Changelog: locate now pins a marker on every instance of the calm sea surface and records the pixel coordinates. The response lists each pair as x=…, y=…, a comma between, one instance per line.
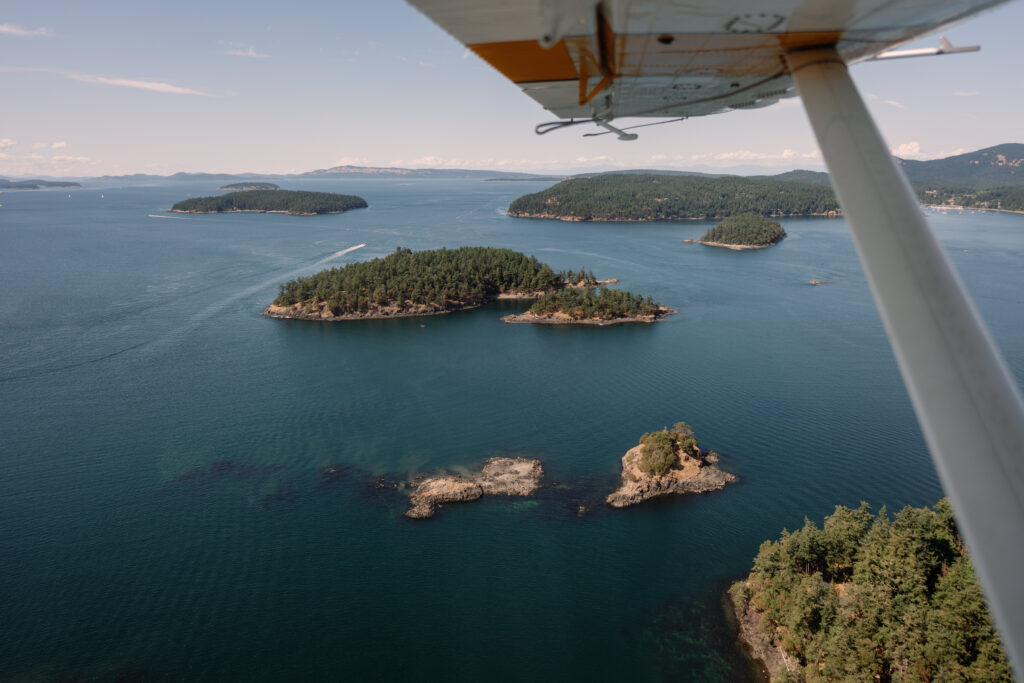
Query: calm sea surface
x=166, y=511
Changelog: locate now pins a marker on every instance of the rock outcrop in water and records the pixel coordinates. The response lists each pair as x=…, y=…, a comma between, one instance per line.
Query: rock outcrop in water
x=499, y=476
x=686, y=469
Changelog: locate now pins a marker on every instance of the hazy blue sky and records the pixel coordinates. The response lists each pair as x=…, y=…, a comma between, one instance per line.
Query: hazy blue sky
x=123, y=87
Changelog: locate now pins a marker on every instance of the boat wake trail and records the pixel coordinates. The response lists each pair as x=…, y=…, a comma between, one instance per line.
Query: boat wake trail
x=220, y=305
x=194, y=321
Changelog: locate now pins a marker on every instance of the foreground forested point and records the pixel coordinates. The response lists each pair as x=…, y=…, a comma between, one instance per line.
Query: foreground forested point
x=748, y=229
x=652, y=197
x=870, y=598
x=296, y=202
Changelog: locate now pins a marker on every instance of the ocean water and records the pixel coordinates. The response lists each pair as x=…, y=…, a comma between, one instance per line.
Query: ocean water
x=187, y=488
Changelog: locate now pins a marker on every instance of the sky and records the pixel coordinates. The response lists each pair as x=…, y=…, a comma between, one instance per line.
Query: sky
x=126, y=87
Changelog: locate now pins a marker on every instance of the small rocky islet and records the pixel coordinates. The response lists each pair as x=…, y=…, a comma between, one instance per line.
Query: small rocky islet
x=667, y=462
x=499, y=476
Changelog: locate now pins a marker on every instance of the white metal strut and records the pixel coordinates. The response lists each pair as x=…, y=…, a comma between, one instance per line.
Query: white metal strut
x=968, y=404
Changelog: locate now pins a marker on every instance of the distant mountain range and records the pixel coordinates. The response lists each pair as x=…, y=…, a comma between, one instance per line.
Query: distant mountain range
x=999, y=166
x=341, y=172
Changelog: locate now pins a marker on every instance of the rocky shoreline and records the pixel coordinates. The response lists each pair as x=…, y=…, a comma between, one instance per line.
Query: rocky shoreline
x=499, y=476
x=580, y=219
x=321, y=310
x=778, y=664
x=691, y=474
x=736, y=247
x=563, y=319
x=287, y=213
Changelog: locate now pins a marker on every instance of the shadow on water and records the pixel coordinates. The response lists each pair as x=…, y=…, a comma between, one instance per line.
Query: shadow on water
x=698, y=641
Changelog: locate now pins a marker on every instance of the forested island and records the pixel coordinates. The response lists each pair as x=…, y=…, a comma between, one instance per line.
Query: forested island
x=746, y=231
x=869, y=598
x=292, y=202
x=589, y=305
x=652, y=197
x=407, y=283
x=250, y=186
x=667, y=462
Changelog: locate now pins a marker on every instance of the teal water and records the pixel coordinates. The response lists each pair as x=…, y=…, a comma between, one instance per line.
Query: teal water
x=165, y=512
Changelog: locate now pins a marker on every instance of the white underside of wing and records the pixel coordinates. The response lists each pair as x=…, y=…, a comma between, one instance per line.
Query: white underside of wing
x=583, y=58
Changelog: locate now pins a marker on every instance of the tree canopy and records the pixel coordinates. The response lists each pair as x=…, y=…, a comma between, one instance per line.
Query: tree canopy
x=288, y=201
x=595, y=302
x=747, y=229
x=652, y=197
x=872, y=598
x=660, y=450
x=445, y=279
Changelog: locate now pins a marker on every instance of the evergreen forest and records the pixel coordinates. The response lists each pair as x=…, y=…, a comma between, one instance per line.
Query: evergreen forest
x=288, y=201
x=595, y=303
x=443, y=279
x=867, y=598
x=651, y=197
x=747, y=229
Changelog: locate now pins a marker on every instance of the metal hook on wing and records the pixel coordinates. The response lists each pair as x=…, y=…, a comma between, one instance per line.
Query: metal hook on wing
x=623, y=135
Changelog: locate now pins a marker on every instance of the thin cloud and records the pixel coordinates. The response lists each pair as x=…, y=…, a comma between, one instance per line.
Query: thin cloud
x=14, y=30
x=249, y=52
x=59, y=145
x=139, y=84
x=894, y=103
x=152, y=86
x=7, y=142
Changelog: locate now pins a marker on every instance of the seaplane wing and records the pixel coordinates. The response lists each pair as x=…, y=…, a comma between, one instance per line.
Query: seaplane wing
x=622, y=58
x=588, y=60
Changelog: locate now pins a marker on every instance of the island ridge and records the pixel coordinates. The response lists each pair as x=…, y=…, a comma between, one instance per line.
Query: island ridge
x=651, y=197
x=292, y=202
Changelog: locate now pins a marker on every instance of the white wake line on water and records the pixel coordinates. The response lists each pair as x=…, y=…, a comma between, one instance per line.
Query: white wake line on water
x=178, y=334
x=195, y=320
x=177, y=218
x=215, y=308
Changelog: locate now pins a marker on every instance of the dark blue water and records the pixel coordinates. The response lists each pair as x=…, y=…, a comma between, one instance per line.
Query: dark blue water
x=164, y=508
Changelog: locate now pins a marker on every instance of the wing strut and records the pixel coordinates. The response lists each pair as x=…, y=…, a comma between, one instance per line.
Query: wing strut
x=966, y=401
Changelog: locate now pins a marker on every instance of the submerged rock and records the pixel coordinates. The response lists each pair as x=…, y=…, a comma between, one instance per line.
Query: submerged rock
x=508, y=476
